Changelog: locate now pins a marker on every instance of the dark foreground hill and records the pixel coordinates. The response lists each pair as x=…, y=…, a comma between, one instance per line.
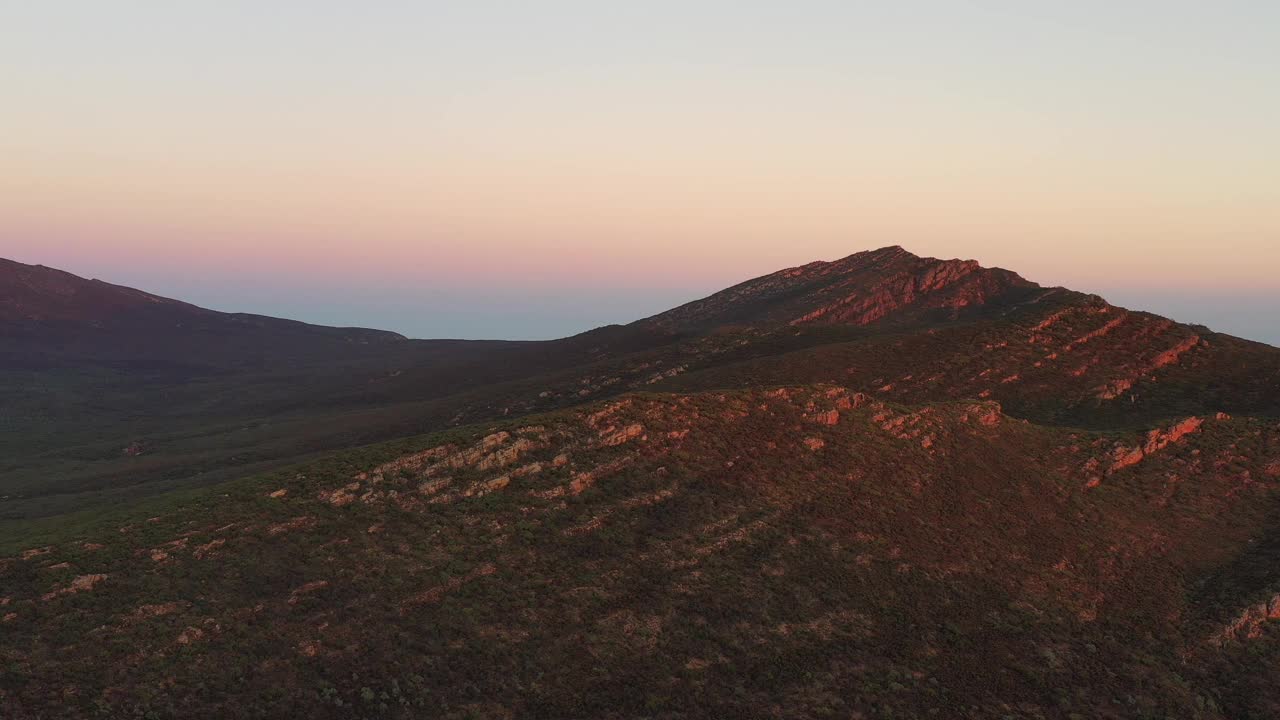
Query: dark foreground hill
x=791, y=552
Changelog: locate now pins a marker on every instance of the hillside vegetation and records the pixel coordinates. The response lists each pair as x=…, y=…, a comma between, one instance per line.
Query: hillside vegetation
x=796, y=552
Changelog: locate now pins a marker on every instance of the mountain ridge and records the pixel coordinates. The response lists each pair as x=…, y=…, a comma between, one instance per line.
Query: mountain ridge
x=37, y=294
x=903, y=328
x=860, y=289
x=934, y=274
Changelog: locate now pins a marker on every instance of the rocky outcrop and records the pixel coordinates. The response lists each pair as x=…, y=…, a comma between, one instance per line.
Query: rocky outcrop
x=484, y=487
x=861, y=289
x=986, y=414
x=298, y=523
x=1157, y=440
x=966, y=281
x=35, y=552
x=306, y=589
x=1119, y=386
x=506, y=455
x=203, y=551
x=1248, y=624
x=1175, y=353
x=143, y=612
x=1094, y=334
x=583, y=480
x=411, y=462
x=830, y=417
x=620, y=436
x=437, y=593
x=342, y=496
x=84, y=583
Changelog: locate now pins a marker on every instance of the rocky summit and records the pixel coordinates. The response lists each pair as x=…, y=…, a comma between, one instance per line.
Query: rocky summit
x=882, y=487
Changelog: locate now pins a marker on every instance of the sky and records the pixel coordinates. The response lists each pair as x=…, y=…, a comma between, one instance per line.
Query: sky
x=524, y=170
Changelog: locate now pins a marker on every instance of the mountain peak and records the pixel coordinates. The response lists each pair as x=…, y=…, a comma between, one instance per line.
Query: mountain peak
x=873, y=286
x=886, y=251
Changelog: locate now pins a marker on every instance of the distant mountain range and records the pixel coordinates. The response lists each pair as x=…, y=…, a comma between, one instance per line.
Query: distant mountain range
x=885, y=486
x=51, y=316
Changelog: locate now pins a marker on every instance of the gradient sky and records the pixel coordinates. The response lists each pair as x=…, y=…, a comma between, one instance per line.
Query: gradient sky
x=533, y=169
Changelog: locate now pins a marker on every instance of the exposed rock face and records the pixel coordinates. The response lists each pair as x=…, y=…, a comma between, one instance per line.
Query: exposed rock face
x=342, y=496
x=432, y=487
x=484, y=487
x=190, y=635
x=411, y=462
x=618, y=437
x=506, y=455
x=157, y=610
x=203, y=551
x=830, y=417
x=1097, y=333
x=1248, y=625
x=306, y=589
x=1120, y=386
x=1115, y=388
x=298, y=523
x=1173, y=354
x=924, y=286
x=435, y=594
x=987, y=414
x=84, y=583
x=583, y=480
x=1157, y=440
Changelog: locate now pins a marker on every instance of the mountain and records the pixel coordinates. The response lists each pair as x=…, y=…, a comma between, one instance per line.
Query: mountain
x=51, y=317
x=1062, y=357
x=921, y=329
x=886, y=486
x=885, y=286
x=82, y=400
